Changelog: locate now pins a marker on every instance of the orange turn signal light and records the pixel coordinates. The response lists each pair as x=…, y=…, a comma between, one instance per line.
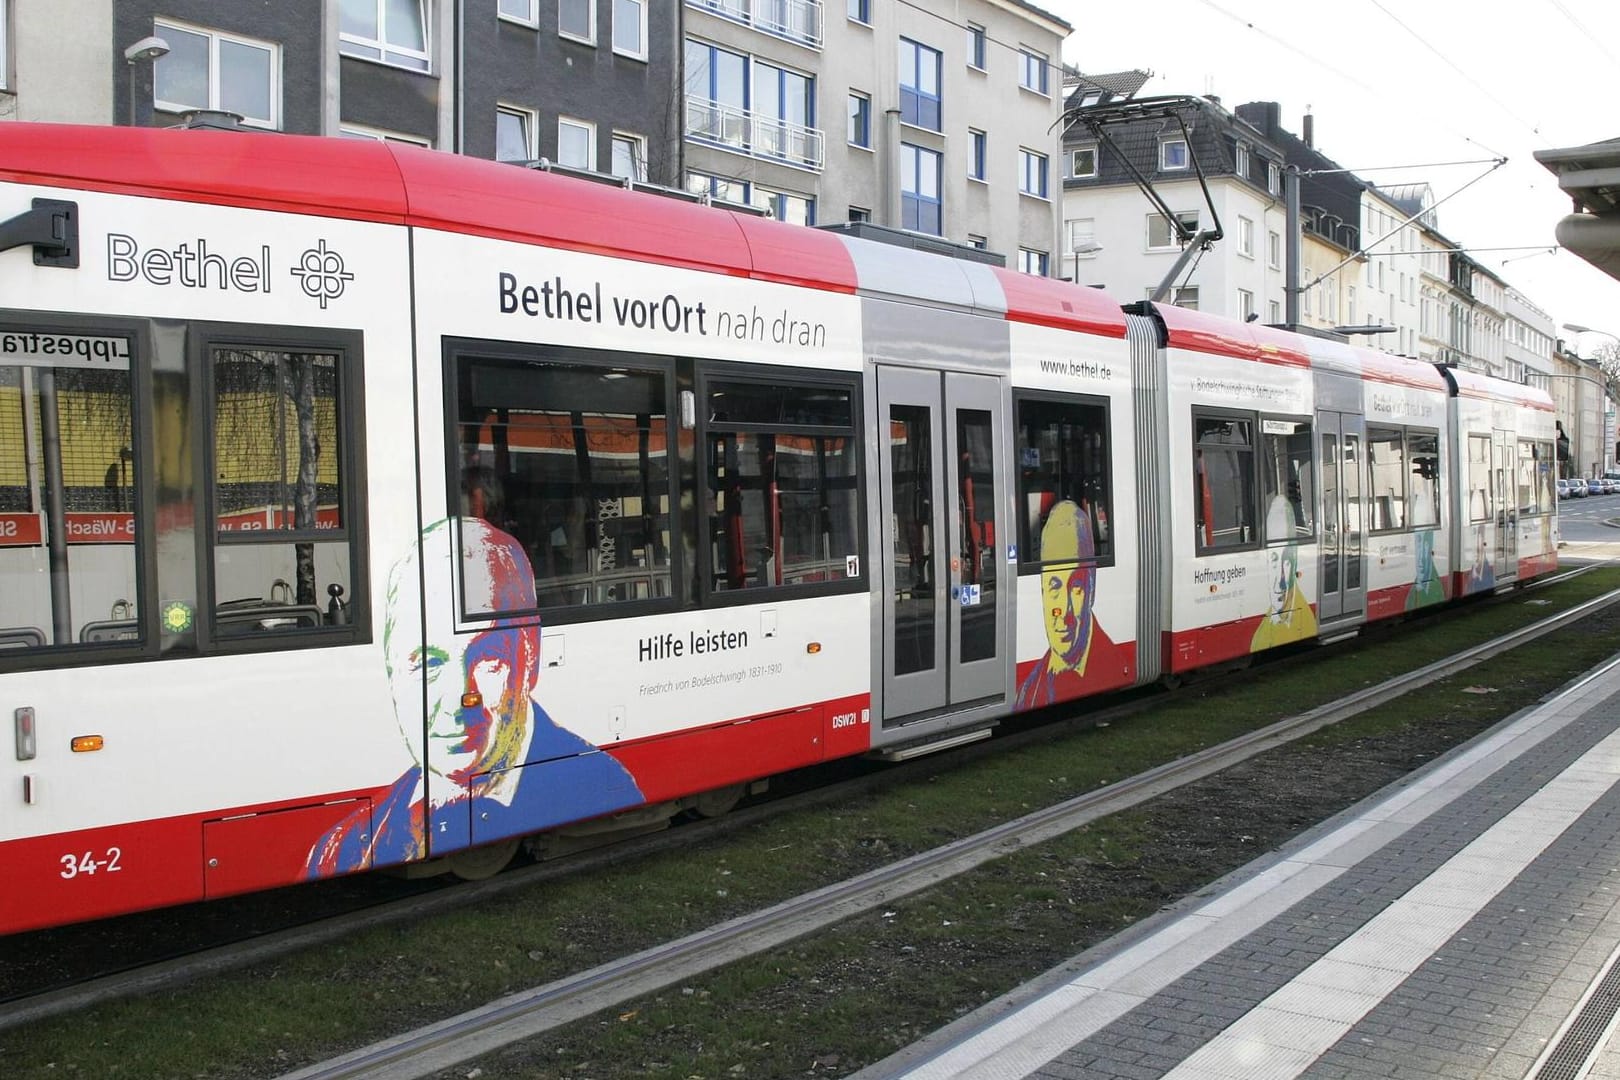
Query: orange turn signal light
x=83, y=744
x=472, y=699
x=813, y=648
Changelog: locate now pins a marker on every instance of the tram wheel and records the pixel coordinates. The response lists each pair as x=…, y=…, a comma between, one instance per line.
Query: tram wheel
x=476, y=864
x=718, y=802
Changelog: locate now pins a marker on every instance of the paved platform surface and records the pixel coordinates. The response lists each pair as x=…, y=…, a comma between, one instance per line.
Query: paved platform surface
x=1462, y=923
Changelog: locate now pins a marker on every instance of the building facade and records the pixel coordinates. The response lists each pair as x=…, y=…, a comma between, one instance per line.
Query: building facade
x=949, y=109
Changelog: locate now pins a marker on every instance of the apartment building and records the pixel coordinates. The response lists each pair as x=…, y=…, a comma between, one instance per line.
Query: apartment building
x=949, y=114
x=1117, y=237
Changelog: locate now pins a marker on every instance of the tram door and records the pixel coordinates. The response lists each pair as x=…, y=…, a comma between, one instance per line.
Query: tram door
x=944, y=615
x=1505, y=492
x=1344, y=590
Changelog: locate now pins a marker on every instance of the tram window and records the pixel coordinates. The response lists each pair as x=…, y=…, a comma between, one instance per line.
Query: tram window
x=67, y=413
x=1423, y=478
x=1223, y=482
x=1386, y=479
x=1062, y=457
x=1532, y=474
x=1546, y=466
x=284, y=557
x=572, y=460
x=1288, y=475
x=1479, y=478
x=782, y=495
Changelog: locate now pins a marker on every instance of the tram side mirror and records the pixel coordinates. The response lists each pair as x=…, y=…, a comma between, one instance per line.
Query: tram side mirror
x=337, y=611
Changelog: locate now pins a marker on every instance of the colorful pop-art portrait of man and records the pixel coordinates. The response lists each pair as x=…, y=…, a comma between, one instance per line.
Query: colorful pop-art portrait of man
x=1068, y=595
x=467, y=711
x=1288, y=614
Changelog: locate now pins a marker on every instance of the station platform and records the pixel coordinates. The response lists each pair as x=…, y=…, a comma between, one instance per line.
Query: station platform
x=1464, y=922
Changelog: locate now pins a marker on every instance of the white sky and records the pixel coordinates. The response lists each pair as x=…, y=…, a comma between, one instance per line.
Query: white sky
x=1406, y=82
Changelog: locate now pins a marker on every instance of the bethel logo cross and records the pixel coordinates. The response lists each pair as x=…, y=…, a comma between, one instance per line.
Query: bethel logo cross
x=322, y=272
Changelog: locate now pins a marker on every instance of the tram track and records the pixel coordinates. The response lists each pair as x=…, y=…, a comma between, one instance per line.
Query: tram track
x=567, y=999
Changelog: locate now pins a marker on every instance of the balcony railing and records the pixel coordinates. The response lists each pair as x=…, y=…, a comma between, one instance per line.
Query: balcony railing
x=791, y=20
x=753, y=134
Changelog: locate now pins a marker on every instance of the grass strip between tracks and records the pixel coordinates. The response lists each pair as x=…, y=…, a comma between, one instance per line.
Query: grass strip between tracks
x=832, y=1003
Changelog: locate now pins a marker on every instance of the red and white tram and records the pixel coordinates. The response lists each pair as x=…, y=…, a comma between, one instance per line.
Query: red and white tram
x=362, y=505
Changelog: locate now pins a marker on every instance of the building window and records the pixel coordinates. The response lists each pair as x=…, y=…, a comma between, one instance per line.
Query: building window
x=1185, y=297
x=1245, y=238
x=1173, y=154
x=1273, y=178
x=630, y=28
x=391, y=31
x=1161, y=235
x=630, y=156
x=1082, y=236
x=1034, y=262
x=577, y=19
x=1031, y=173
x=1083, y=163
x=1350, y=303
x=919, y=85
x=5, y=44
x=1274, y=250
x=793, y=209
x=861, y=11
x=1032, y=71
x=1273, y=312
x=205, y=69
x=1245, y=304
x=859, y=213
x=975, y=46
x=976, y=154
x=976, y=241
x=860, y=120
x=360, y=131
x=1240, y=160
x=526, y=12
x=515, y=131
x=576, y=143
x=920, y=204
x=721, y=188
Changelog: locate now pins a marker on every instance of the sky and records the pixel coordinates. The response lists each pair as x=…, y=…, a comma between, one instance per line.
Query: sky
x=1415, y=84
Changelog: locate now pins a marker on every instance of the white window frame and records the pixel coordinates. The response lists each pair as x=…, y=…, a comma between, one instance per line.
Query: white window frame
x=5, y=44
x=1273, y=178
x=974, y=240
x=1184, y=293
x=589, y=37
x=1026, y=159
x=215, y=37
x=978, y=47
x=361, y=131
x=638, y=153
x=633, y=54
x=1074, y=234
x=422, y=60
x=1074, y=162
x=590, y=146
x=1245, y=237
x=978, y=155
x=1028, y=258
x=866, y=134
x=531, y=131
x=1240, y=162
x=1274, y=249
x=1164, y=154
x=1245, y=304
x=1033, y=64
x=531, y=20
x=1274, y=309
x=1189, y=217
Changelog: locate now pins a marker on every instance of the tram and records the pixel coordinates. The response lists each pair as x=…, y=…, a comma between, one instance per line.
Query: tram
x=363, y=506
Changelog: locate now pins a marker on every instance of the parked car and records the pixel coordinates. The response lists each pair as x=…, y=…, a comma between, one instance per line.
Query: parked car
x=1563, y=488
x=1594, y=486
x=1577, y=487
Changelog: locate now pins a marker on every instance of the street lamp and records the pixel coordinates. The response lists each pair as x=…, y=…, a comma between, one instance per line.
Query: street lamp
x=146, y=50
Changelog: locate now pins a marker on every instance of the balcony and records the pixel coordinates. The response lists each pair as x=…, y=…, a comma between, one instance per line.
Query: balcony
x=798, y=21
x=731, y=128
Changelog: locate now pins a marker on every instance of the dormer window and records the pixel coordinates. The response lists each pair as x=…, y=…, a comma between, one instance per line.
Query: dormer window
x=1172, y=154
x=1240, y=160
